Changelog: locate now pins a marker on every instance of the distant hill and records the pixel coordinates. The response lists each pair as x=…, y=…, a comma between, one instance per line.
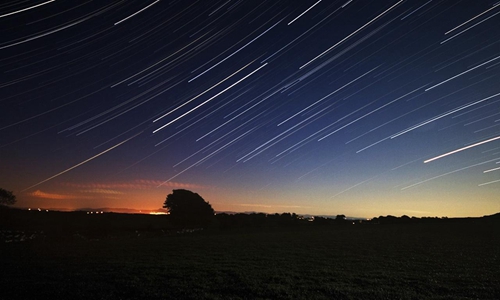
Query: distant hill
x=303, y=215
x=162, y=210
x=103, y=209
x=123, y=210
x=495, y=216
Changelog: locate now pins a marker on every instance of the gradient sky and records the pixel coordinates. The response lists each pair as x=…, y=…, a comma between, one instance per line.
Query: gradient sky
x=313, y=107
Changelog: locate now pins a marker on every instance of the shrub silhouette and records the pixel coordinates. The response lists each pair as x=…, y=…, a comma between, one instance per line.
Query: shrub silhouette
x=7, y=197
x=188, y=209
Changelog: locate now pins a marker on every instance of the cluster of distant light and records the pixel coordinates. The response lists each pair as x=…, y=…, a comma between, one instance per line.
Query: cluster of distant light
x=39, y=209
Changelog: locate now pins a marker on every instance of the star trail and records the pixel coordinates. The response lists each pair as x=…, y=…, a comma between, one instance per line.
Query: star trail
x=332, y=107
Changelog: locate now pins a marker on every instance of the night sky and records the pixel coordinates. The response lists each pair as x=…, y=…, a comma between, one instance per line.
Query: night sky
x=358, y=107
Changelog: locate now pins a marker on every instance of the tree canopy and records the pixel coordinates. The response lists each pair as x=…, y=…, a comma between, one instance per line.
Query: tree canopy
x=188, y=209
x=7, y=197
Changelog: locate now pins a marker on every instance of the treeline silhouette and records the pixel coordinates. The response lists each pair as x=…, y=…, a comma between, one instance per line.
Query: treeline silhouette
x=239, y=220
x=57, y=225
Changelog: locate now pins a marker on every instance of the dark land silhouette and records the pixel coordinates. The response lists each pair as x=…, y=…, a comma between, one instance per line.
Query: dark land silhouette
x=71, y=225
x=83, y=255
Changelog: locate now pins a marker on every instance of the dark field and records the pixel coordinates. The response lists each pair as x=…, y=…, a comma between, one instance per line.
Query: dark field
x=436, y=260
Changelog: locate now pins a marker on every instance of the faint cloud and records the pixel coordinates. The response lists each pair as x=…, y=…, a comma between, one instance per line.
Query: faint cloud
x=103, y=186
x=271, y=206
x=422, y=212
x=255, y=205
x=172, y=184
x=138, y=184
x=102, y=191
x=44, y=195
x=112, y=198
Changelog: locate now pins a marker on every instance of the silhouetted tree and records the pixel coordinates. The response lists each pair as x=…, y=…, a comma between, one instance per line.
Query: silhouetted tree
x=340, y=219
x=322, y=220
x=188, y=209
x=405, y=219
x=7, y=197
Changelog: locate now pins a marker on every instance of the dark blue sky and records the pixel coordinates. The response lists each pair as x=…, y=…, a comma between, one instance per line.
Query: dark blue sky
x=317, y=107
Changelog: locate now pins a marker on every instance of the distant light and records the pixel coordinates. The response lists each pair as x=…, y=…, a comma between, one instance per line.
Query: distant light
x=29, y=208
x=39, y=210
x=158, y=213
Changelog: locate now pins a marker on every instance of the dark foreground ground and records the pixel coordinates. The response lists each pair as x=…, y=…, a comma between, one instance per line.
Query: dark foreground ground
x=442, y=260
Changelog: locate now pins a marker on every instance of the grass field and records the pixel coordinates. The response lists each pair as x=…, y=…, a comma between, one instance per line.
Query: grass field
x=445, y=260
